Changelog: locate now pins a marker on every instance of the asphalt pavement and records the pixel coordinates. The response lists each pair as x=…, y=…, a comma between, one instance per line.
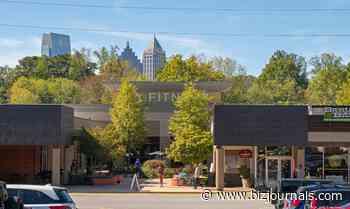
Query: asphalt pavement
x=160, y=201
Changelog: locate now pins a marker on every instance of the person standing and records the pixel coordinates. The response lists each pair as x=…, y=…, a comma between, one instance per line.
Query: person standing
x=161, y=174
x=196, y=176
x=138, y=167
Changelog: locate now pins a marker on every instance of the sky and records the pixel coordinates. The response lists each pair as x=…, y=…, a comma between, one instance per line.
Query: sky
x=251, y=52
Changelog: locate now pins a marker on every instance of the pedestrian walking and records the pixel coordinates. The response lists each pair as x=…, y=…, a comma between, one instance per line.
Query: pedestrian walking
x=161, y=174
x=138, y=167
x=196, y=176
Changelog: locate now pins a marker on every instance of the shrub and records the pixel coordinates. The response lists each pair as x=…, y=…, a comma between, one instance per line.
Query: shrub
x=187, y=170
x=169, y=172
x=244, y=171
x=150, y=168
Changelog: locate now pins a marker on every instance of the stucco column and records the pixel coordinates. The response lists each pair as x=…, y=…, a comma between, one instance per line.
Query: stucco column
x=219, y=170
x=69, y=157
x=55, y=171
x=300, y=165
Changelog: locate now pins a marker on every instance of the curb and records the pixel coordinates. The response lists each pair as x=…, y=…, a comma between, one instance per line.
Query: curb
x=129, y=193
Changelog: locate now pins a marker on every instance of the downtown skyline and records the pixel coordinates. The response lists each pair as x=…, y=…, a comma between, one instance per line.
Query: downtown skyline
x=251, y=52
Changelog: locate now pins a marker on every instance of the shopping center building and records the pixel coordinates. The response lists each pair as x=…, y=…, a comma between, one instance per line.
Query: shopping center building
x=277, y=142
x=159, y=99
x=35, y=143
x=36, y=140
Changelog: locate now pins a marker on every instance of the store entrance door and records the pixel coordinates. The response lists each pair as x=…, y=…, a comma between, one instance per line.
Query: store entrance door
x=277, y=168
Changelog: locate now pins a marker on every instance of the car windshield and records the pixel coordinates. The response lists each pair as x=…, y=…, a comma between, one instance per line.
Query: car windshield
x=63, y=196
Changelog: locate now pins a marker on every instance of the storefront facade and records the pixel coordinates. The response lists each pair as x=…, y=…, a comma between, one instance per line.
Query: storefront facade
x=278, y=142
x=159, y=99
x=35, y=143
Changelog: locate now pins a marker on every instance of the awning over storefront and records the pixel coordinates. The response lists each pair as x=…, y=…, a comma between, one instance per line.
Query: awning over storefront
x=268, y=125
x=35, y=124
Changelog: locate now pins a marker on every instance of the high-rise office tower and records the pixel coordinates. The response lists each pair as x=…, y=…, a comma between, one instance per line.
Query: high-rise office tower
x=54, y=44
x=130, y=56
x=153, y=59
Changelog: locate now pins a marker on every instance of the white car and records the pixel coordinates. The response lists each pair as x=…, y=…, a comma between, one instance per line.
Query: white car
x=41, y=196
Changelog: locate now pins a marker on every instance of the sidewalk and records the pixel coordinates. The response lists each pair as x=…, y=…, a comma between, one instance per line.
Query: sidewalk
x=123, y=187
x=147, y=186
x=152, y=186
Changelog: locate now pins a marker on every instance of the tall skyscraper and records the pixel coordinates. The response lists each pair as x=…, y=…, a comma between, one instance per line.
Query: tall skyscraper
x=54, y=44
x=130, y=56
x=153, y=59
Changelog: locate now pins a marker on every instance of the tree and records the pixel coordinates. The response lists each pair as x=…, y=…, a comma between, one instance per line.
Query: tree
x=275, y=92
x=228, y=66
x=103, y=55
x=328, y=77
x=63, y=91
x=75, y=67
x=116, y=70
x=190, y=126
x=128, y=122
x=188, y=70
x=94, y=91
x=283, y=81
x=52, y=91
x=285, y=66
x=343, y=95
x=81, y=65
x=238, y=93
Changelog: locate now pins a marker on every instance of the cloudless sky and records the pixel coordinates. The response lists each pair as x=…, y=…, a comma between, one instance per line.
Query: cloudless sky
x=252, y=52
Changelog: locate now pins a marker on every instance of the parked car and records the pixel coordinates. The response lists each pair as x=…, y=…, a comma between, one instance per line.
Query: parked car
x=334, y=203
x=292, y=186
x=42, y=196
x=3, y=194
x=7, y=201
x=304, y=190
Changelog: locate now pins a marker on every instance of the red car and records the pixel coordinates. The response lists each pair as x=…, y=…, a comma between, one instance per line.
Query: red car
x=329, y=199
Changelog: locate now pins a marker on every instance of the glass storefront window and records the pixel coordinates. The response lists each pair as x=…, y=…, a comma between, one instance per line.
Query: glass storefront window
x=278, y=151
x=334, y=161
x=336, y=165
x=313, y=162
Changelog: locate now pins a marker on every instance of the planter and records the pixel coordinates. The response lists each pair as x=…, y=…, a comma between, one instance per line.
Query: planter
x=174, y=182
x=246, y=183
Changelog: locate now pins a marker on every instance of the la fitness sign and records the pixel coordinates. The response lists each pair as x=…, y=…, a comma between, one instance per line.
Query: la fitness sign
x=336, y=114
x=161, y=97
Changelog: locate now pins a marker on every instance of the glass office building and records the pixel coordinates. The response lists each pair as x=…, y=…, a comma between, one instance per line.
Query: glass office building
x=54, y=44
x=153, y=59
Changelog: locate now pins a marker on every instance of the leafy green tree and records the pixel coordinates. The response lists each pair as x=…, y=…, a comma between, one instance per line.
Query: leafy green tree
x=63, y=91
x=228, y=66
x=52, y=91
x=81, y=65
x=238, y=93
x=285, y=66
x=282, y=81
x=116, y=70
x=275, y=92
x=328, y=77
x=103, y=55
x=343, y=95
x=188, y=70
x=190, y=125
x=75, y=67
x=128, y=122
x=94, y=91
